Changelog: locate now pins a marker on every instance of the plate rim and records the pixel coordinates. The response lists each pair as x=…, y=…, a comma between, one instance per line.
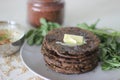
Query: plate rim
x=44, y=78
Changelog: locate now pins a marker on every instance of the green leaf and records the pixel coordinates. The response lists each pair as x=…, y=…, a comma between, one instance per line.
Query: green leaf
x=43, y=21
x=93, y=26
x=113, y=63
x=83, y=26
x=39, y=41
x=106, y=66
x=44, y=32
x=29, y=33
x=30, y=40
x=43, y=27
x=56, y=25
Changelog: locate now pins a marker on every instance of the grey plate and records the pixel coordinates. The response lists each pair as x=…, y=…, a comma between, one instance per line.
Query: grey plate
x=33, y=60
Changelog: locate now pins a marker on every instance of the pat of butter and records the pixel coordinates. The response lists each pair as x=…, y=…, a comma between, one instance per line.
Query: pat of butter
x=73, y=40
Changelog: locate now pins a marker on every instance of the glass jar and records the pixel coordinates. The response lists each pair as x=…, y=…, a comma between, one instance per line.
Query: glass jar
x=52, y=10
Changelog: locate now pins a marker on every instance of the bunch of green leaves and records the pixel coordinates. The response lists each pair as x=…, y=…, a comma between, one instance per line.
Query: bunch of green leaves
x=35, y=36
x=109, y=46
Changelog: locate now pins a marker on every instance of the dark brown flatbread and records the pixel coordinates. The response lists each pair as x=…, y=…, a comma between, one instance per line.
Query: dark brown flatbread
x=45, y=48
x=73, y=70
x=70, y=65
x=57, y=35
x=70, y=59
x=53, y=55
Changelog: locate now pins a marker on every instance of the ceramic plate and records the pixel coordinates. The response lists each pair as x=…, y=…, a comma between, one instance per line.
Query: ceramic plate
x=33, y=60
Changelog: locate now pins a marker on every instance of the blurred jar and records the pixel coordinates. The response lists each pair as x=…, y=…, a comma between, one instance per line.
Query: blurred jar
x=52, y=10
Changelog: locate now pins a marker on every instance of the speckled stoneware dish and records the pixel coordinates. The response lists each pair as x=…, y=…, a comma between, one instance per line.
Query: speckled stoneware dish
x=17, y=32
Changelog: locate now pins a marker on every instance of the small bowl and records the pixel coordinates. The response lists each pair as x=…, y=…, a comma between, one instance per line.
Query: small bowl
x=16, y=39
